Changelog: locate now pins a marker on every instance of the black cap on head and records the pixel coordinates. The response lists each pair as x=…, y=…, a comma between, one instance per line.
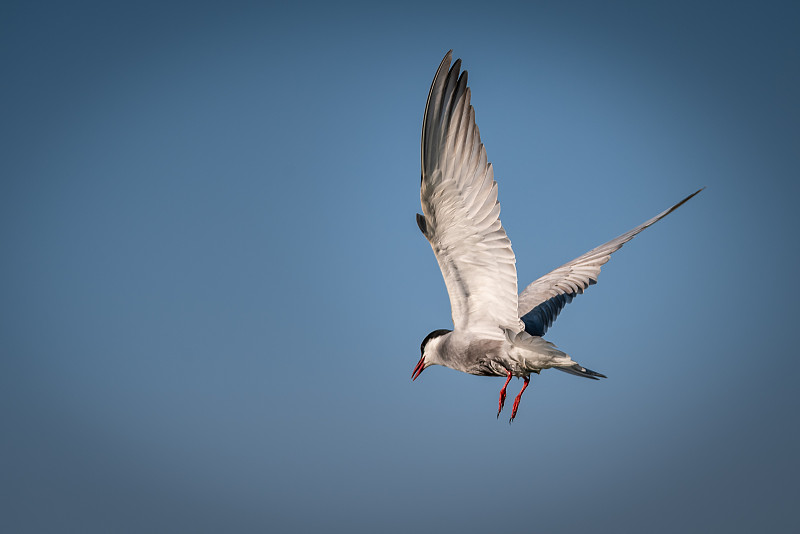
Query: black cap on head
x=435, y=333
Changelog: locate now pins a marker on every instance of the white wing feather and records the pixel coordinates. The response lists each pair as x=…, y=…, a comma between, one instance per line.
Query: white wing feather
x=573, y=277
x=461, y=213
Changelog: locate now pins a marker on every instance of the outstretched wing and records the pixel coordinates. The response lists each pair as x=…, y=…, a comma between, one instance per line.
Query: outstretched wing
x=461, y=213
x=541, y=302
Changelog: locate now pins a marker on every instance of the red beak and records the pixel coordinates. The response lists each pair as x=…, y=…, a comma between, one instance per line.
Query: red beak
x=418, y=369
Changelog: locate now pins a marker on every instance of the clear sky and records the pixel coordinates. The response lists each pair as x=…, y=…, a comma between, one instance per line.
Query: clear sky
x=213, y=290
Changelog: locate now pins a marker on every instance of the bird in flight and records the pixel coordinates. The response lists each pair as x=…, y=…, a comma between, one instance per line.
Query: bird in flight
x=496, y=332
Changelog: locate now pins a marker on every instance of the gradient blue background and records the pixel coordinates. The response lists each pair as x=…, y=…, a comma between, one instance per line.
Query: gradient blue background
x=213, y=289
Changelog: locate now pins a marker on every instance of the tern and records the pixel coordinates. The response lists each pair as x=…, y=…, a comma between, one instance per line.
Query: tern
x=495, y=331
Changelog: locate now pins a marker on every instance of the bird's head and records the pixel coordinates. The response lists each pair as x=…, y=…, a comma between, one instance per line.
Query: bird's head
x=429, y=351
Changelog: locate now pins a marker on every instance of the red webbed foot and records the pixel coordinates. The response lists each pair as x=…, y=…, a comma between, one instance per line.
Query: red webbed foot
x=516, y=401
x=503, y=395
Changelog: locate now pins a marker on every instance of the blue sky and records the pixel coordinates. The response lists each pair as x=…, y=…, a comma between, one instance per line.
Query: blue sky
x=213, y=288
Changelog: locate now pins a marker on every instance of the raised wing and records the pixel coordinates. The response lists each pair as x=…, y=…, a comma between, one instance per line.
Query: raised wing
x=461, y=213
x=541, y=302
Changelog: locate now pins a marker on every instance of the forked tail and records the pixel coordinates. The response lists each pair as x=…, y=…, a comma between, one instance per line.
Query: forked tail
x=579, y=370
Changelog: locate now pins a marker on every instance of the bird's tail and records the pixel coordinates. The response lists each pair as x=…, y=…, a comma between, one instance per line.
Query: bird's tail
x=579, y=370
x=541, y=354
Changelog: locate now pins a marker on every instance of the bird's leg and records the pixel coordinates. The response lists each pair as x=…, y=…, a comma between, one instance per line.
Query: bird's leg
x=503, y=395
x=516, y=401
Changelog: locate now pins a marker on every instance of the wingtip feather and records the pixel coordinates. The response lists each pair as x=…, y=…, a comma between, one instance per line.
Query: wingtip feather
x=682, y=202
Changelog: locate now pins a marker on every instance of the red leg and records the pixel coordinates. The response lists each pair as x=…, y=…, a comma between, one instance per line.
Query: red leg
x=516, y=401
x=503, y=395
